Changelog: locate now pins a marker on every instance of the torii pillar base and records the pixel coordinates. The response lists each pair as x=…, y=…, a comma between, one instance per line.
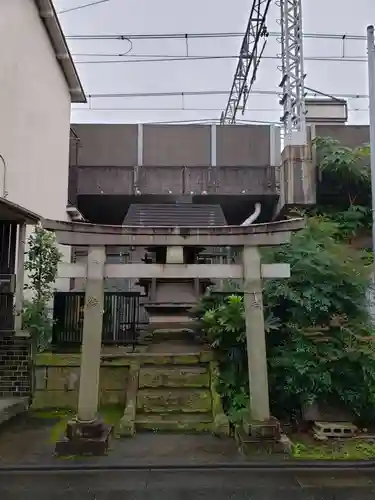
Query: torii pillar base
x=84, y=438
x=261, y=437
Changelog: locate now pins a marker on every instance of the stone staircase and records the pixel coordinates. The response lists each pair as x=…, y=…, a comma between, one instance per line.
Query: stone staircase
x=173, y=393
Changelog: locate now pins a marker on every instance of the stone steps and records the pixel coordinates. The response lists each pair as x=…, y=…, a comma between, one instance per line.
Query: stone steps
x=174, y=397
x=175, y=422
x=173, y=391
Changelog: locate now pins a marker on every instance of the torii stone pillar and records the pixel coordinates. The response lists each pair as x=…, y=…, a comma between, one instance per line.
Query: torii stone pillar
x=255, y=335
x=88, y=396
x=88, y=434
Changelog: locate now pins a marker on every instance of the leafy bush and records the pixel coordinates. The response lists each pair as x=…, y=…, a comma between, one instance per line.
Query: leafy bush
x=224, y=326
x=317, y=324
x=37, y=320
x=42, y=259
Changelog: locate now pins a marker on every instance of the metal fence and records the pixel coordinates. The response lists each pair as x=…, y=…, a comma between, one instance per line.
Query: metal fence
x=121, y=318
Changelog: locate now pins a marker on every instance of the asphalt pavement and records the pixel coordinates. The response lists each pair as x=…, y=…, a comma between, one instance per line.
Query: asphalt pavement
x=200, y=484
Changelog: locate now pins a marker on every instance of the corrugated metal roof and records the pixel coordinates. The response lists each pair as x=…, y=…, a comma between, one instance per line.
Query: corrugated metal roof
x=175, y=214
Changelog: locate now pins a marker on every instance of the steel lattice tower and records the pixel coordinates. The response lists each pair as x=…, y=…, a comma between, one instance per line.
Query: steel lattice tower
x=292, y=83
x=251, y=52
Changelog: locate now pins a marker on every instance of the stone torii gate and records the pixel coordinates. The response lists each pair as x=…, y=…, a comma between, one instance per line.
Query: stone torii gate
x=87, y=433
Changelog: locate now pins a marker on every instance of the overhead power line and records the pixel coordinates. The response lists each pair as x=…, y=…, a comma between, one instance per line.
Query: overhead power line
x=153, y=59
x=84, y=6
x=310, y=93
x=184, y=36
x=257, y=110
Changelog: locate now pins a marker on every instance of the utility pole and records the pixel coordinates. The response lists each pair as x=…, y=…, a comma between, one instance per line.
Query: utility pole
x=371, y=80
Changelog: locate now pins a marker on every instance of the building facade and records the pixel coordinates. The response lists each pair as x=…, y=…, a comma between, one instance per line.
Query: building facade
x=38, y=83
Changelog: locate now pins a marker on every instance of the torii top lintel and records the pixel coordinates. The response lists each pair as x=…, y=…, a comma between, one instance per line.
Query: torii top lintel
x=83, y=234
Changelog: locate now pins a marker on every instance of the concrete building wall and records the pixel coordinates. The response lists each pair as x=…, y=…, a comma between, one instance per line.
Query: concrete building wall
x=349, y=135
x=35, y=114
x=171, y=159
x=106, y=145
x=176, y=146
x=243, y=145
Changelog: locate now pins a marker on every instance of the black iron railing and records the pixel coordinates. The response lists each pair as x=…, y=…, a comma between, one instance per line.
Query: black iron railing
x=121, y=318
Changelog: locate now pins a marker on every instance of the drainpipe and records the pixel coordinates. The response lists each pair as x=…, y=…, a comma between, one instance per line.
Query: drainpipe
x=5, y=192
x=253, y=217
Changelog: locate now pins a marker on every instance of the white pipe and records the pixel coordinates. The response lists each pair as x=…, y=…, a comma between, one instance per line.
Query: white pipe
x=253, y=217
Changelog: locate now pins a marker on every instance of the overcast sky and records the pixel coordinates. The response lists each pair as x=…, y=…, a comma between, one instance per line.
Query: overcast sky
x=192, y=16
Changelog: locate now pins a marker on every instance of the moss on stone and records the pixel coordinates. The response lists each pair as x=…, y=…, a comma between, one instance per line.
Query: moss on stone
x=206, y=356
x=220, y=425
x=174, y=376
x=55, y=359
x=110, y=414
x=186, y=359
x=172, y=400
x=171, y=426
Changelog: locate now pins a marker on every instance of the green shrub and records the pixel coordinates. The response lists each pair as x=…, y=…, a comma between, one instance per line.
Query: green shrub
x=317, y=324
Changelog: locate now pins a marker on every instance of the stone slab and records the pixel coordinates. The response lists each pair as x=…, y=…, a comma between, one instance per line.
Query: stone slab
x=175, y=422
x=10, y=407
x=174, y=400
x=181, y=376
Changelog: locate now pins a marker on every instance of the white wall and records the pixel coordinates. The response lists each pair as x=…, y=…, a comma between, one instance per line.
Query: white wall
x=34, y=114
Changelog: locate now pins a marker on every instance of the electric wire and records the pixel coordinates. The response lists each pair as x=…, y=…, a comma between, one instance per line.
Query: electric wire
x=257, y=110
x=145, y=58
x=205, y=58
x=184, y=36
x=84, y=6
x=310, y=92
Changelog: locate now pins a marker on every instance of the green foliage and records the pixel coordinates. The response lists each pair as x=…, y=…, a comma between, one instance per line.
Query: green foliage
x=223, y=324
x=345, y=449
x=347, y=166
x=319, y=341
x=42, y=259
x=350, y=222
x=37, y=320
x=327, y=277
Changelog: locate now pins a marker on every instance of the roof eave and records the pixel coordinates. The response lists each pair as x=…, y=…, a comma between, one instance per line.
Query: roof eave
x=19, y=213
x=53, y=27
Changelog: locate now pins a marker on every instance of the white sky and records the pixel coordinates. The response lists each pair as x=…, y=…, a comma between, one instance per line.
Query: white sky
x=192, y=16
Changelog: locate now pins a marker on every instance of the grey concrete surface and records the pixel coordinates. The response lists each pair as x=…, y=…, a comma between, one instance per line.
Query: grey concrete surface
x=27, y=442
x=30, y=442
x=10, y=407
x=186, y=485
